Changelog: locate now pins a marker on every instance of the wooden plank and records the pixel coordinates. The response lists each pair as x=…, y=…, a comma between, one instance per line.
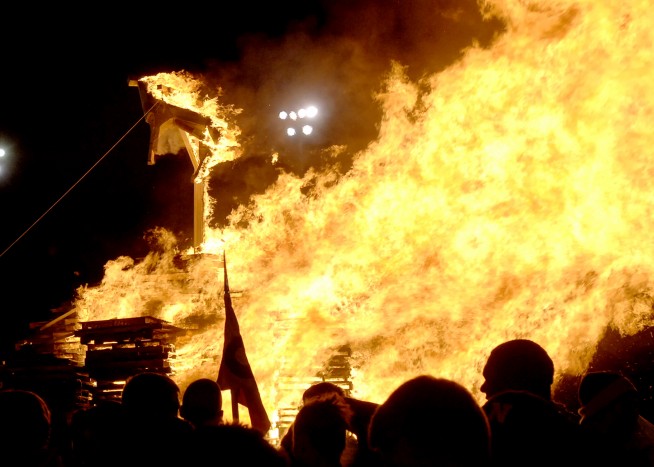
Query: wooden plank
x=135, y=353
x=112, y=374
x=154, y=363
x=123, y=322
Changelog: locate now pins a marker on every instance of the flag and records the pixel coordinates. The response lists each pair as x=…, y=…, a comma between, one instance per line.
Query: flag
x=235, y=372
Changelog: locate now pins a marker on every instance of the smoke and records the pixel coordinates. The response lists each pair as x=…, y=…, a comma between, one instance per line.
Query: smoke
x=336, y=60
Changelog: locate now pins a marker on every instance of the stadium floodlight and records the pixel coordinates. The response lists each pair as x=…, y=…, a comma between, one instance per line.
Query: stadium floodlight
x=311, y=111
x=300, y=116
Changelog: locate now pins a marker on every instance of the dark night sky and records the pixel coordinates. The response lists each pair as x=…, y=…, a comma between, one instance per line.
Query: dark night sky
x=75, y=186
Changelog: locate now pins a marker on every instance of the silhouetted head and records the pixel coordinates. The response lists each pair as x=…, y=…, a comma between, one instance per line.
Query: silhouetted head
x=202, y=402
x=608, y=401
x=95, y=433
x=521, y=365
x=319, y=432
x=322, y=390
x=25, y=426
x=151, y=395
x=317, y=392
x=430, y=421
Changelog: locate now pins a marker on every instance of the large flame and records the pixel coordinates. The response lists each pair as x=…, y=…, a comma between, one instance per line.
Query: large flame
x=509, y=195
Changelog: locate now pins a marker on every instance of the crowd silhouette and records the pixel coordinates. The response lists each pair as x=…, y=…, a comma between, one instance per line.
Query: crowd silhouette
x=425, y=421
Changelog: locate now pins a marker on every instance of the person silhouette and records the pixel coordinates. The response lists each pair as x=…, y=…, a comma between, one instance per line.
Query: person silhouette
x=518, y=364
x=25, y=430
x=202, y=403
x=615, y=432
x=320, y=433
x=232, y=444
x=357, y=451
x=430, y=421
x=95, y=433
x=317, y=391
x=154, y=432
x=527, y=426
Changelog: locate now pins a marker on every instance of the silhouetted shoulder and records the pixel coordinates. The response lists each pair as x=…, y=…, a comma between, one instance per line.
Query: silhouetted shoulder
x=233, y=444
x=25, y=429
x=96, y=434
x=430, y=421
x=530, y=430
x=615, y=433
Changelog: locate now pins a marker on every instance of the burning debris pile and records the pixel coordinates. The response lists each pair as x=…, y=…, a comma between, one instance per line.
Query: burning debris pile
x=119, y=348
x=507, y=195
x=337, y=369
x=75, y=364
x=57, y=338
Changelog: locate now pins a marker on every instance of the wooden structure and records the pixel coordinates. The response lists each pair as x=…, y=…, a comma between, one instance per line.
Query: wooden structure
x=72, y=364
x=173, y=130
x=119, y=348
x=337, y=370
x=51, y=363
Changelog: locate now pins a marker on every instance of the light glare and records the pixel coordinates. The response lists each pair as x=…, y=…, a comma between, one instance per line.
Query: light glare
x=311, y=111
x=307, y=112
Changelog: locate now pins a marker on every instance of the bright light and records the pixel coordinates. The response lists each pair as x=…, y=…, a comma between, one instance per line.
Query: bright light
x=303, y=113
x=311, y=111
x=2, y=154
x=308, y=112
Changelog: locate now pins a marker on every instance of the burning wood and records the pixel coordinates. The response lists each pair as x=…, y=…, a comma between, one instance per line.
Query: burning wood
x=119, y=348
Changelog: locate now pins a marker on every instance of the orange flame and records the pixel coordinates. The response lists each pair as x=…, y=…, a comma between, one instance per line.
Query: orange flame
x=507, y=196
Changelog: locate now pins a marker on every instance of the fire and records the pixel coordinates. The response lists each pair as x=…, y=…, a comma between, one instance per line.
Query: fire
x=509, y=195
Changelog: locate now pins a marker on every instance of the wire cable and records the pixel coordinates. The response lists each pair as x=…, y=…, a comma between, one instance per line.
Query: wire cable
x=78, y=181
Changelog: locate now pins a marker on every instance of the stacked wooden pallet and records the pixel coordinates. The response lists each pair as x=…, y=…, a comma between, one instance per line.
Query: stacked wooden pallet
x=119, y=348
x=64, y=385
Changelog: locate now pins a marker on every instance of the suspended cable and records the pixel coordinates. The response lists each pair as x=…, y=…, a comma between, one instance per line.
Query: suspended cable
x=79, y=180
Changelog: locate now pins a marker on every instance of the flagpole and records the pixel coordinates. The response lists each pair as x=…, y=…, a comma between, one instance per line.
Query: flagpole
x=234, y=393
x=235, y=373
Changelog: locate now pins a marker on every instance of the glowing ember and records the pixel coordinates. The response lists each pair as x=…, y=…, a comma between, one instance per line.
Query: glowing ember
x=509, y=195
